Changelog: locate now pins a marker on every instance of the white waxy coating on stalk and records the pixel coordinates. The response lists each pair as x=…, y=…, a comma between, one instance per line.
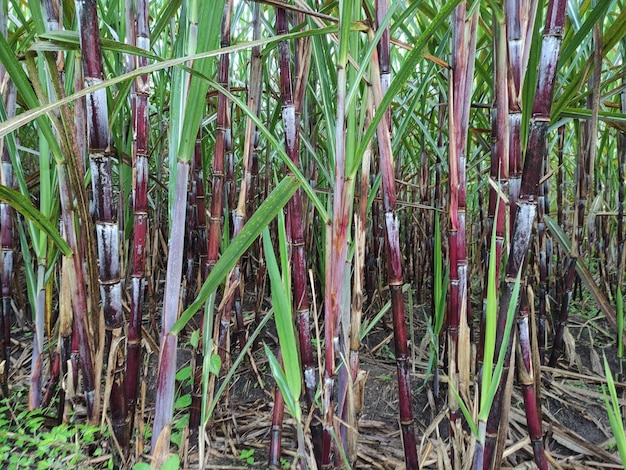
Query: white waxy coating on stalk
x=289, y=120
x=310, y=379
x=550, y=49
x=98, y=104
x=108, y=246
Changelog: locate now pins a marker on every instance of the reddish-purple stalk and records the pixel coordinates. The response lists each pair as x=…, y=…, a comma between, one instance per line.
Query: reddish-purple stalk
x=464, y=47
x=336, y=257
x=7, y=214
x=584, y=175
x=78, y=293
x=527, y=209
x=169, y=342
x=394, y=273
x=291, y=108
x=520, y=20
x=545, y=256
x=499, y=169
x=222, y=136
x=141, y=127
x=526, y=376
x=621, y=172
x=354, y=403
x=107, y=230
x=199, y=249
x=251, y=172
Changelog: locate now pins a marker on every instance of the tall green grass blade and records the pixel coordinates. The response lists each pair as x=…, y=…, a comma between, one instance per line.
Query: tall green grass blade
x=405, y=71
x=35, y=111
x=619, y=312
x=284, y=321
x=613, y=411
x=497, y=374
x=253, y=228
x=491, y=314
x=570, y=46
x=23, y=205
x=283, y=383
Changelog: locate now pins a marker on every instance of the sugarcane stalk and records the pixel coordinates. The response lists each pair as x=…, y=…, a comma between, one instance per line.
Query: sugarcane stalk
x=621, y=152
x=199, y=248
x=222, y=144
x=584, y=176
x=520, y=21
x=354, y=404
x=141, y=125
x=545, y=255
x=169, y=342
x=527, y=209
x=337, y=246
x=394, y=273
x=291, y=110
x=7, y=214
x=107, y=228
x=499, y=168
x=464, y=40
x=526, y=374
x=202, y=25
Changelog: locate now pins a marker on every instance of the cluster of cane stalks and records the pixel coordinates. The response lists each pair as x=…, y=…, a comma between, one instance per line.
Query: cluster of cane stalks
x=167, y=167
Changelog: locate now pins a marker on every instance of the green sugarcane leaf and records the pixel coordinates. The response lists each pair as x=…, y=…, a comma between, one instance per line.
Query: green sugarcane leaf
x=281, y=381
x=613, y=411
x=497, y=373
x=25, y=89
x=468, y=416
x=283, y=319
x=570, y=46
x=253, y=228
x=215, y=364
x=615, y=32
x=142, y=466
x=408, y=68
x=619, y=312
x=491, y=313
x=63, y=40
x=23, y=205
x=7, y=58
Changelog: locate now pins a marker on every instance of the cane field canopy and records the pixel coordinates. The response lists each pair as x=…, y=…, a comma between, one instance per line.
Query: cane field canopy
x=312, y=234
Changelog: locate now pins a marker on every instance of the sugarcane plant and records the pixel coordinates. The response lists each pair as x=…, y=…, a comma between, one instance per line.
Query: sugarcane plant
x=168, y=173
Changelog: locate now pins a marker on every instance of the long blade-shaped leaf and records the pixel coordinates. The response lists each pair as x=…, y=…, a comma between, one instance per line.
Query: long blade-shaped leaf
x=23, y=205
x=261, y=218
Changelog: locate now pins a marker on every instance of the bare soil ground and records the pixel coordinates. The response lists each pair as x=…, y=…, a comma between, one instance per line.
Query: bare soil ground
x=576, y=429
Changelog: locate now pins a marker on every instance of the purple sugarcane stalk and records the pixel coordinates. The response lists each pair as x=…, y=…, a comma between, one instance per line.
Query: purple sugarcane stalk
x=354, y=404
x=527, y=209
x=394, y=273
x=222, y=135
x=526, y=375
x=107, y=230
x=584, y=173
x=499, y=169
x=464, y=39
x=7, y=214
x=141, y=126
x=78, y=293
x=199, y=248
x=169, y=342
x=337, y=254
x=290, y=114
